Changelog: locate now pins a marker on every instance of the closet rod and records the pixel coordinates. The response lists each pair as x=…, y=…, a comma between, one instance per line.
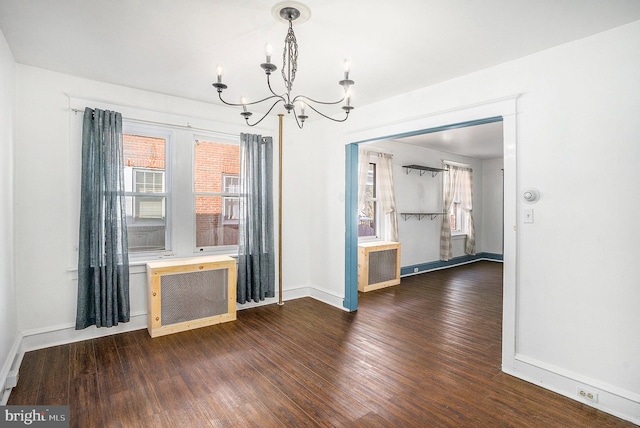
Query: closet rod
x=172, y=125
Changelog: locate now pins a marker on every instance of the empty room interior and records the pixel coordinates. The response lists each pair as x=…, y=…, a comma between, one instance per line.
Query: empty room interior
x=320, y=213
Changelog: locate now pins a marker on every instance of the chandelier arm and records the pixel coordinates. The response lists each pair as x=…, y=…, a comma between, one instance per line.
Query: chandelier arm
x=300, y=125
x=327, y=117
x=280, y=98
x=266, y=114
x=271, y=90
x=306, y=98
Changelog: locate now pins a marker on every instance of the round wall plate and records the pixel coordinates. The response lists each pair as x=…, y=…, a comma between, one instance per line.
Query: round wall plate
x=531, y=195
x=303, y=9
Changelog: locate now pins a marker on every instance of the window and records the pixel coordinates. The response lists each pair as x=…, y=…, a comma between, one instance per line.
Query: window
x=148, y=181
x=216, y=190
x=459, y=178
x=145, y=191
x=455, y=217
x=182, y=187
x=368, y=217
x=230, y=204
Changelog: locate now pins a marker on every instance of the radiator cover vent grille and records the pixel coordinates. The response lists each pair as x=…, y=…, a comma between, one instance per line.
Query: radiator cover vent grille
x=382, y=266
x=190, y=293
x=194, y=295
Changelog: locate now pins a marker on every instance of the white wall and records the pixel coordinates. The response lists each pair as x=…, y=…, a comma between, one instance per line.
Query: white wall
x=420, y=239
x=577, y=142
x=47, y=199
x=8, y=309
x=492, y=222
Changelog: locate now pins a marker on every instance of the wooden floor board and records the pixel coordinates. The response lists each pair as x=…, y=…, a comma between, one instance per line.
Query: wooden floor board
x=423, y=353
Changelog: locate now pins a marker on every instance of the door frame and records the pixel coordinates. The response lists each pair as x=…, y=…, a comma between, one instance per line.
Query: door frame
x=504, y=108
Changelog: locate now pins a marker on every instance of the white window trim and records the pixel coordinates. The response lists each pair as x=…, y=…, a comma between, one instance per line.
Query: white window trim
x=183, y=127
x=156, y=131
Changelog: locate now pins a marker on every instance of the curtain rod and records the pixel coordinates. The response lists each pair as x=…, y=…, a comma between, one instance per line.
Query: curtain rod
x=172, y=125
x=378, y=153
x=457, y=164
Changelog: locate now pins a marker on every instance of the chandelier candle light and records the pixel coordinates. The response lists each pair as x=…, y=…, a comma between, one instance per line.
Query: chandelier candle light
x=289, y=11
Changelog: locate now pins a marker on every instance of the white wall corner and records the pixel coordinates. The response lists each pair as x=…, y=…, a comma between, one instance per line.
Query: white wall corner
x=328, y=297
x=11, y=364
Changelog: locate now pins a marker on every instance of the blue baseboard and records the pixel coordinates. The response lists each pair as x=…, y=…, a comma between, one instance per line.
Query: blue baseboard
x=440, y=264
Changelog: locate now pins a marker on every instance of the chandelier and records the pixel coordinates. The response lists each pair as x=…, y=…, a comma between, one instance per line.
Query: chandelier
x=297, y=104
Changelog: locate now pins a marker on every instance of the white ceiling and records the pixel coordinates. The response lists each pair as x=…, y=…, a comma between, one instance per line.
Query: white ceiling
x=173, y=47
x=478, y=141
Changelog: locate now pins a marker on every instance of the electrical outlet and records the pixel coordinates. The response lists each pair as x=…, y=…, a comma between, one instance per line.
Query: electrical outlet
x=415, y=270
x=587, y=394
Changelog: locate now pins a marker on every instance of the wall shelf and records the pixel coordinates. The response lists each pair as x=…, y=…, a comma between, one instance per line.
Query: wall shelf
x=423, y=169
x=420, y=216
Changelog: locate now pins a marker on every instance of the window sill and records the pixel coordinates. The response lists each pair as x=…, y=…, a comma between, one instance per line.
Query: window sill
x=458, y=235
x=139, y=265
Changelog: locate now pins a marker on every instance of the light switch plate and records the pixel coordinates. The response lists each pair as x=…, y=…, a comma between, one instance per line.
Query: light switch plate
x=528, y=215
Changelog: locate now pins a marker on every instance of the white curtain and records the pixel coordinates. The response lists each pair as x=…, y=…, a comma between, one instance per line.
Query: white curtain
x=457, y=186
x=387, y=197
x=446, y=248
x=466, y=203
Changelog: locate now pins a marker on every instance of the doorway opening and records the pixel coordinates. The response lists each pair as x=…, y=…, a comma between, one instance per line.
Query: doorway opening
x=502, y=110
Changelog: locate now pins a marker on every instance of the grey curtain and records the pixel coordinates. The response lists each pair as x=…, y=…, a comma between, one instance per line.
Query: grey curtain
x=103, y=265
x=256, y=259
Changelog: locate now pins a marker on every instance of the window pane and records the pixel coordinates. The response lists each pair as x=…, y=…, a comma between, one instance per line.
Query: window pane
x=231, y=184
x=148, y=181
x=454, y=217
x=370, y=191
x=216, y=170
x=144, y=159
x=366, y=223
x=146, y=223
x=367, y=218
x=213, y=162
x=143, y=155
x=216, y=221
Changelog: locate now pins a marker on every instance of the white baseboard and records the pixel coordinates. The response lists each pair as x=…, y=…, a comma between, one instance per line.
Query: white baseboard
x=63, y=334
x=11, y=363
x=328, y=297
x=621, y=403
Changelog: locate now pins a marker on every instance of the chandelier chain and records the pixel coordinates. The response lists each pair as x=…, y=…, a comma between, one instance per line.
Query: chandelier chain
x=290, y=51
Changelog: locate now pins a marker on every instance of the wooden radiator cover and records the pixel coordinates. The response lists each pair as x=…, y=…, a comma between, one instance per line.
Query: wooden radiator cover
x=190, y=293
x=378, y=265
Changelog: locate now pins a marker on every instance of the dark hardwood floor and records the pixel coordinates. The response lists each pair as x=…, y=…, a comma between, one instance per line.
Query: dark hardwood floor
x=425, y=353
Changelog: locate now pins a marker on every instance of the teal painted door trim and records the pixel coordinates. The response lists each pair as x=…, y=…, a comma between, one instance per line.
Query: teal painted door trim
x=351, y=204
x=351, y=228
x=436, y=129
